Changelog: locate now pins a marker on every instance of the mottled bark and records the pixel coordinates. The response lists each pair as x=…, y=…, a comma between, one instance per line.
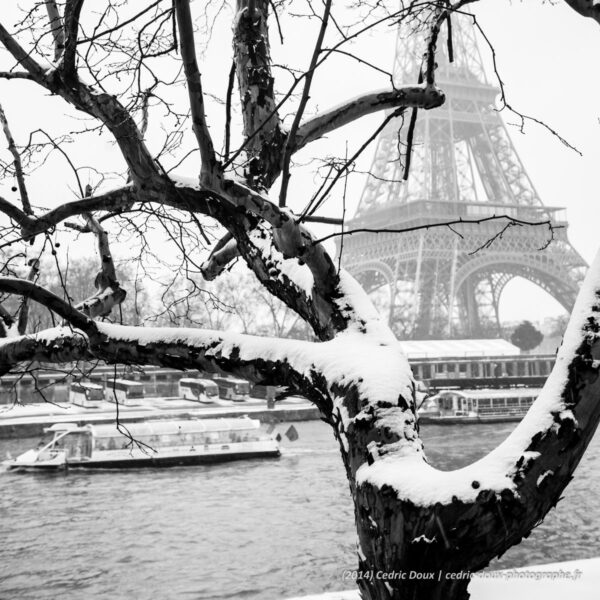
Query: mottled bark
x=262, y=128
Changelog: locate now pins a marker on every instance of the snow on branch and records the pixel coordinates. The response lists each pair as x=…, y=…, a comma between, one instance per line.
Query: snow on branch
x=556, y=421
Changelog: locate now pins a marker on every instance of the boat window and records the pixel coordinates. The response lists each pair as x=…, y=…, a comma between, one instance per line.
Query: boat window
x=242, y=388
x=94, y=394
x=446, y=403
x=77, y=444
x=46, y=438
x=484, y=402
x=512, y=401
x=136, y=391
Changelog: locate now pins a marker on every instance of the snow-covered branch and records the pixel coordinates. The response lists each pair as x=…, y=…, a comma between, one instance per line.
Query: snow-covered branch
x=488, y=506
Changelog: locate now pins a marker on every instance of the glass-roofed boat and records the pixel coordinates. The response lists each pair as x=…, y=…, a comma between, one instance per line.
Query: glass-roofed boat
x=147, y=444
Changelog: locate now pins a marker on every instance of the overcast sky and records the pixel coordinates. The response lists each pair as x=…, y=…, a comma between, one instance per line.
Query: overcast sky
x=547, y=57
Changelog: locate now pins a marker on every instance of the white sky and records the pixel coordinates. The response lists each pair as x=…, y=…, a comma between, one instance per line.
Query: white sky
x=547, y=56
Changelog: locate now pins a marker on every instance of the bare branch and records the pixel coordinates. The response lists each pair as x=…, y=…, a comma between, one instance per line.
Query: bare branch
x=22, y=287
x=194, y=84
x=410, y=96
x=223, y=253
x=17, y=163
x=56, y=28
x=263, y=134
x=71, y=27
x=289, y=143
x=109, y=292
x=16, y=75
x=230, y=83
x=24, y=308
x=511, y=221
x=22, y=57
x=114, y=200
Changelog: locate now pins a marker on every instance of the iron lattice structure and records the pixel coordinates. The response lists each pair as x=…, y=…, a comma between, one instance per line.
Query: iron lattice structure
x=434, y=282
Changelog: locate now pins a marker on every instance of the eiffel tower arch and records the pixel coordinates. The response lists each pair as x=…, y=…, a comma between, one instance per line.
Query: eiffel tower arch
x=443, y=282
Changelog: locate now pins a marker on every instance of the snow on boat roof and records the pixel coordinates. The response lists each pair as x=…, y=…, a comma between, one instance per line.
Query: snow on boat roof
x=87, y=384
x=185, y=380
x=230, y=379
x=164, y=427
x=496, y=393
x=458, y=348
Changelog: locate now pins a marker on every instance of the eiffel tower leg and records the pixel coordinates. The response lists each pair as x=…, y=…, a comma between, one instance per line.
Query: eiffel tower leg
x=394, y=289
x=497, y=288
x=452, y=291
x=417, y=284
x=472, y=323
x=423, y=325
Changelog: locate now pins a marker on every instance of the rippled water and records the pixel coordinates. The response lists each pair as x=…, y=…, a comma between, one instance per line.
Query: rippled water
x=249, y=530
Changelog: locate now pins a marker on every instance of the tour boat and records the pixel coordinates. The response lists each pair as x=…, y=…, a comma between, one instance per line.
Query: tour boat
x=477, y=406
x=147, y=444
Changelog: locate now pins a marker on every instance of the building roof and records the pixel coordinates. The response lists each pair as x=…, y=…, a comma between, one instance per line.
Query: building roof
x=493, y=394
x=458, y=348
x=165, y=427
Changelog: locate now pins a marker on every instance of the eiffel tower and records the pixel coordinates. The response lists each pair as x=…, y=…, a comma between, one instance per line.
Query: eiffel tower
x=443, y=282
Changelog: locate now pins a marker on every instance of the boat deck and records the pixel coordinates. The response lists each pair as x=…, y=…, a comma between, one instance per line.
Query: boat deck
x=31, y=419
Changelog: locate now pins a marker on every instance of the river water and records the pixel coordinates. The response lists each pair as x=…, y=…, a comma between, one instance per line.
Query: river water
x=248, y=530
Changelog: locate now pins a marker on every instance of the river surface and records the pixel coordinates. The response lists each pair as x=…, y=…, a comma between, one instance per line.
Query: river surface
x=248, y=530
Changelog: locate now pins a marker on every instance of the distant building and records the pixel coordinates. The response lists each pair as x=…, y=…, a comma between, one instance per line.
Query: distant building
x=458, y=348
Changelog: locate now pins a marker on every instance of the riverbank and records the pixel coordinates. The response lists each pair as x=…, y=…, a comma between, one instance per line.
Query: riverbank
x=578, y=579
x=31, y=419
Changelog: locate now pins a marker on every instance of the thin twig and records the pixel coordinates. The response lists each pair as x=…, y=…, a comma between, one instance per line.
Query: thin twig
x=460, y=221
x=230, y=83
x=289, y=143
x=17, y=163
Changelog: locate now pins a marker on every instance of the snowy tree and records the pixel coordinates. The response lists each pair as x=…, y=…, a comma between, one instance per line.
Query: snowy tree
x=121, y=66
x=526, y=336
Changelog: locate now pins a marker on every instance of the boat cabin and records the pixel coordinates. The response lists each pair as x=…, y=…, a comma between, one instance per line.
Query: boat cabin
x=152, y=443
x=199, y=390
x=125, y=392
x=497, y=402
x=86, y=394
x=233, y=389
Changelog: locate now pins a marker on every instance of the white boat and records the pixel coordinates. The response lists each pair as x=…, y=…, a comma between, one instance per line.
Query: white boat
x=478, y=406
x=205, y=391
x=148, y=444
